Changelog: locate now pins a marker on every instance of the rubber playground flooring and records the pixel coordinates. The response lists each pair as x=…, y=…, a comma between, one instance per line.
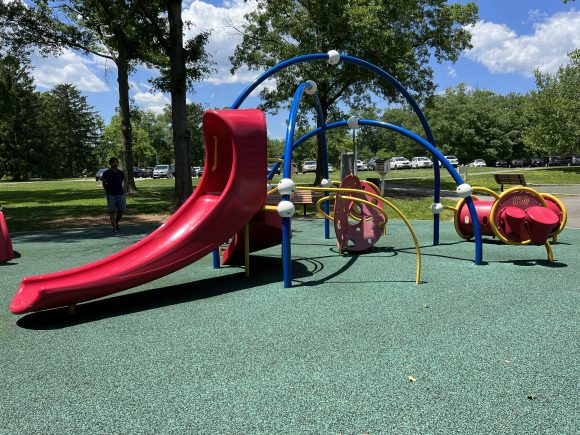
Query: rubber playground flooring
x=354, y=347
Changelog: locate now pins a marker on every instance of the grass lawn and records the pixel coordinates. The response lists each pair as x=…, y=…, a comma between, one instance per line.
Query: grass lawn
x=66, y=203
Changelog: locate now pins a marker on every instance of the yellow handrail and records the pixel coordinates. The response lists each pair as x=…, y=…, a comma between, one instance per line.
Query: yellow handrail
x=402, y=216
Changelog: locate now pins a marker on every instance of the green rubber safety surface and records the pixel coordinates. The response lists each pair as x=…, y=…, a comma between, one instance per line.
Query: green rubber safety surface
x=354, y=347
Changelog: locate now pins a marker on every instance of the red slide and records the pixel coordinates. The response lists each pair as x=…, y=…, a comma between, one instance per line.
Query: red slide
x=6, y=252
x=231, y=191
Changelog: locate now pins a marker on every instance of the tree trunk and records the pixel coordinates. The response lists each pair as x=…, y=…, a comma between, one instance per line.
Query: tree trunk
x=125, y=113
x=183, y=184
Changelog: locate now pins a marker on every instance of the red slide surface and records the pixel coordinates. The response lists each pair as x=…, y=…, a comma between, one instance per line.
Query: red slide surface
x=231, y=191
x=6, y=252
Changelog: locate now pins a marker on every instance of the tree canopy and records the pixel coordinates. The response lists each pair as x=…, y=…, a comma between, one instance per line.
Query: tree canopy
x=554, y=110
x=398, y=36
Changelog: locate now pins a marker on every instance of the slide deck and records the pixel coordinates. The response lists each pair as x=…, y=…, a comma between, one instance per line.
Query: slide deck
x=231, y=192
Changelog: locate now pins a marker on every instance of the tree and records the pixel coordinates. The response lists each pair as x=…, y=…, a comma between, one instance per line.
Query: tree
x=400, y=36
x=71, y=131
x=21, y=147
x=181, y=63
x=478, y=124
x=554, y=110
x=104, y=28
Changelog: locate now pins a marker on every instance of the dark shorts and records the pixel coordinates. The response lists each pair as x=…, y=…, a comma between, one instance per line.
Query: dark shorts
x=116, y=203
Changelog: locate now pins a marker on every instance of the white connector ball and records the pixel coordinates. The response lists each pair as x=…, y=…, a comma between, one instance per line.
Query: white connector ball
x=436, y=208
x=286, y=209
x=286, y=186
x=353, y=122
x=333, y=57
x=325, y=183
x=311, y=88
x=464, y=190
x=268, y=187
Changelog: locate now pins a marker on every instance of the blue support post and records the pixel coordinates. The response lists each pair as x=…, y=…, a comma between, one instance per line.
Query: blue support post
x=216, y=258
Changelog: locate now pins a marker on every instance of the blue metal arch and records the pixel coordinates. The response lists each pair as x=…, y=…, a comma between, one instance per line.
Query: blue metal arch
x=434, y=151
x=382, y=73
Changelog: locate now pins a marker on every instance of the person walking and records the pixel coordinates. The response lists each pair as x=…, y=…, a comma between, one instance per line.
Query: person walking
x=113, y=180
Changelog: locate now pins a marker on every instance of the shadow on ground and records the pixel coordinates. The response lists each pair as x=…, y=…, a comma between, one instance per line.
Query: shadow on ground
x=270, y=272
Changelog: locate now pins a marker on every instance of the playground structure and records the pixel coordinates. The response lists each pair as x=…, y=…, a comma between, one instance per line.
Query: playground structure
x=230, y=204
x=517, y=216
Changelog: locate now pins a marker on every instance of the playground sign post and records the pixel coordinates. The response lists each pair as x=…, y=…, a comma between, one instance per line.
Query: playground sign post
x=383, y=167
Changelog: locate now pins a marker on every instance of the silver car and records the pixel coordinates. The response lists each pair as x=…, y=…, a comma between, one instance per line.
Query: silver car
x=162, y=171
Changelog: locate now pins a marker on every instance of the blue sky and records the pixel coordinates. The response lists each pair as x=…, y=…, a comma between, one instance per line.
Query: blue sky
x=511, y=39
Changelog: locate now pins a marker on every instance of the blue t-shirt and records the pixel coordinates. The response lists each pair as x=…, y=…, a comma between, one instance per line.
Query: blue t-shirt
x=113, y=181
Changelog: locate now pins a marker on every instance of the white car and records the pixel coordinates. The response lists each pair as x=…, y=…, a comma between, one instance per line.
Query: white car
x=308, y=166
x=421, y=162
x=478, y=163
x=361, y=166
x=399, y=163
x=453, y=160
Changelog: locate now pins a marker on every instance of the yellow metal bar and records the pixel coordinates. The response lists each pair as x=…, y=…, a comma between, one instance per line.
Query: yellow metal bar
x=485, y=190
x=270, y=208
x=215, y=153
x=247, y=248
x=550, y=253
x=401, y=215
x=564, y=214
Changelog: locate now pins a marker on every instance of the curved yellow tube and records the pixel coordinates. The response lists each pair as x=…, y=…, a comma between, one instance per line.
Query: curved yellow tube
x=564, y=214
x=351, y=198
x=485, y=190
x=550, y=253
x=402, y=216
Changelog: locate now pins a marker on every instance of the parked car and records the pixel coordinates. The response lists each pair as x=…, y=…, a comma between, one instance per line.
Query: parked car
x=309, y=166
x=552, y=161
x=361, y=166
x=372, y=164
x=271, y=166
x=478, y=163
x=453, y=160
x=136, y=172
x=147, y=172
x=399, y=163
x=421, y=162
x=517, y=163
x=535, y=162
x=162, y=171
x=571, y=160
x=330, y=168
x=100, y=173
x=501, y=164
x=197, y=171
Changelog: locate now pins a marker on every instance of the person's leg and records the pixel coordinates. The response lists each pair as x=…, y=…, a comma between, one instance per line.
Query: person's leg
x=121, y=206
x=111, y=204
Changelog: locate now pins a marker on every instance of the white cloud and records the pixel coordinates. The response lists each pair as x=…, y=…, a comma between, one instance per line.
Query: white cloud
x=225, y=23
x=154, y=102
x=502, y=50
x=451, y=71
x=67, y=68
